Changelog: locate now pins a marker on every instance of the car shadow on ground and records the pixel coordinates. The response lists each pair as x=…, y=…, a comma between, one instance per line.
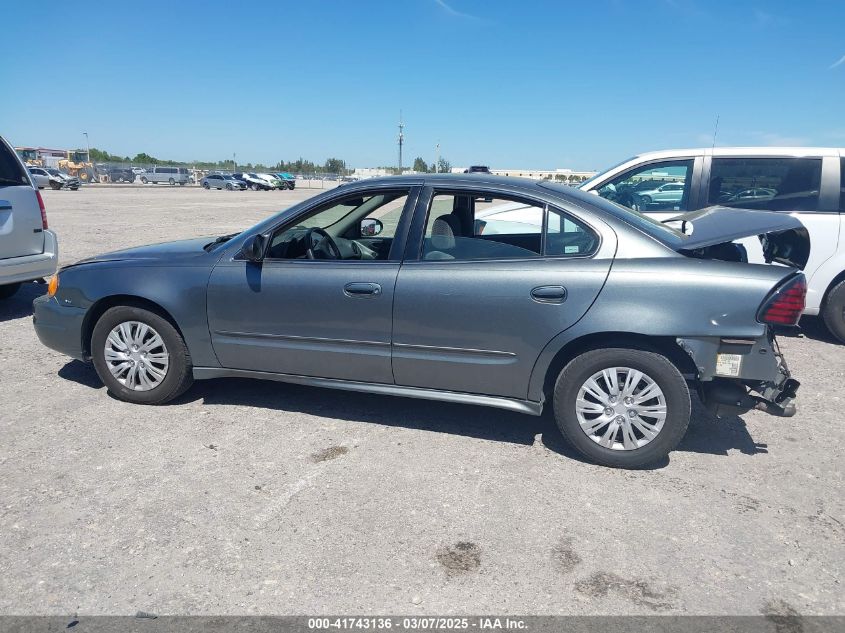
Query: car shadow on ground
x=706, y=434
x=813, y=327
x=19, y=305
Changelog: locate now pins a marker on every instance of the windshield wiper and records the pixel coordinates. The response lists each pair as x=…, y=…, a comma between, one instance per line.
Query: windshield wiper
x=219, y=240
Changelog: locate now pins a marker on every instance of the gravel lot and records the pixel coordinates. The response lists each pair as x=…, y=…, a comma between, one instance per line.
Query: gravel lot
x=247, y=497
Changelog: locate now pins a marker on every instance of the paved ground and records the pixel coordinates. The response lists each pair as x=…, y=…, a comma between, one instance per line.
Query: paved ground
x=250, y=497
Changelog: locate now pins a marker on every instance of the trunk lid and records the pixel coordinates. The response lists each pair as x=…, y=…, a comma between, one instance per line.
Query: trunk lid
x=783, y=238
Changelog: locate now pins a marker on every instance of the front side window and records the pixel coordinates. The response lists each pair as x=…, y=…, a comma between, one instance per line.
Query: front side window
x=357, y=227
x=774, y=184
x=663, y=186
x=467, y=226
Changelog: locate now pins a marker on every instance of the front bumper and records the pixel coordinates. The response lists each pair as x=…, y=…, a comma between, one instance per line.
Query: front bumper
x=737, y=375
x=18, y=269
x=59, y=327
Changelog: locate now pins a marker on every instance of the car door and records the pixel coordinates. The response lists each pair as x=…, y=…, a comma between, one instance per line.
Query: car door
x=324, y=318
x=39, y=177
x=473, y=310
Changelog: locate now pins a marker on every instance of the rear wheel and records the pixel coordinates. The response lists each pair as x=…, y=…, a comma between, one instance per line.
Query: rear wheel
x=644, y=200
x=140, y=356
x=205, y=185
x=833, y=312
x=620, y=407
x=144, y=180
x=8, y=290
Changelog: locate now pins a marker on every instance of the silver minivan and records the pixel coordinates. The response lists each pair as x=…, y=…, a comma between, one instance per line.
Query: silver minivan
x=28, y=249
x=169, y=175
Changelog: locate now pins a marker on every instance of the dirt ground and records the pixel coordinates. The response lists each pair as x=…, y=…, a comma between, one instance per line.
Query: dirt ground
x=247, y=497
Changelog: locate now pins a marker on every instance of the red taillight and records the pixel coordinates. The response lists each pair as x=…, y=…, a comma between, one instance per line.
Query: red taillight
x=43, y=210
x=785, y=305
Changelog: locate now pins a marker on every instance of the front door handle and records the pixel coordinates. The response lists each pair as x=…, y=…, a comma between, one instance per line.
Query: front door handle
x=361, y=289
x=549, y=294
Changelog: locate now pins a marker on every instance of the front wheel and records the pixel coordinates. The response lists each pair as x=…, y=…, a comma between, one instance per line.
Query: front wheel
x=8, y=290
x=144, y=180
x=620, y=407
x=140, y=356
x=833, y=312
x=172, y=182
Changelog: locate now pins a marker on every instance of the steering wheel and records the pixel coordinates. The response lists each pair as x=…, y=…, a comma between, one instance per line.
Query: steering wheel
x=322, y=237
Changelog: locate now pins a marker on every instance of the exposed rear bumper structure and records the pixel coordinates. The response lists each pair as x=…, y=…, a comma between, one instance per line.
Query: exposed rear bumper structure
x=740, y=375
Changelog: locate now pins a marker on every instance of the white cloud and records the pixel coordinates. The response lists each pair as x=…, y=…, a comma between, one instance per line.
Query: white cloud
x=451, y=11
x=839, y=63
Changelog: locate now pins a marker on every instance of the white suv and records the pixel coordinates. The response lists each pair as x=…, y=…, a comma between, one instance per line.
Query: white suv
x=28, y=250
x=806, y=182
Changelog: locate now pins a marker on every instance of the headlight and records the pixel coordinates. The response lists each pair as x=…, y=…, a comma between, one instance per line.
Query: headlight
x=53, y=285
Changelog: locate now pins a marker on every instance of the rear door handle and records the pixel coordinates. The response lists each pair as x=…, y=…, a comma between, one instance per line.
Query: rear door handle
x=549, y=294
x=361, y=289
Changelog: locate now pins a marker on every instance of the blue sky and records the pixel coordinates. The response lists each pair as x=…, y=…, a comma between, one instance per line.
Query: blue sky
x=510, y=84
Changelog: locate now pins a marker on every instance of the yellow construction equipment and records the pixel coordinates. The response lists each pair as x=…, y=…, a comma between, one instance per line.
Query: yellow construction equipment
x=30, y=156
x=78, y=164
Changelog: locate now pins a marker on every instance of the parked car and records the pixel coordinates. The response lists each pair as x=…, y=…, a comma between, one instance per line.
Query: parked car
x=28, y=249
x=288, y=180
x=170, y=175
x=274, y=180
x=806, y=182
x=222, y=181
x=606, y=315
x=477, y=169
x=138, y=171
x=62, y=180
x=253, y=181
x=120, y=174
x=670, y=192
x=49, y=177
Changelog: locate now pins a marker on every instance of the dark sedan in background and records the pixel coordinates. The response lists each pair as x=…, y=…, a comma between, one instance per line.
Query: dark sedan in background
x=416, y=286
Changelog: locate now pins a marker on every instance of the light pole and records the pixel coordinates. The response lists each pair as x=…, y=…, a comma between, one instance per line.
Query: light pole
x=437, y=163
x=234, y=162
x=87, y=148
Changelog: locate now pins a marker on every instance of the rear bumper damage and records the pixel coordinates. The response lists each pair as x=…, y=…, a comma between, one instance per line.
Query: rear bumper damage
x=738, y=375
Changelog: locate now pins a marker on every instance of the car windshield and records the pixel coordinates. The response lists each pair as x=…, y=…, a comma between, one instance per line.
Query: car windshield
x=53, y=172
x=654, y=228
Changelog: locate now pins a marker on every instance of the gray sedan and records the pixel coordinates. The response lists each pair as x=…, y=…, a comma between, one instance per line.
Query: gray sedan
x=401, y=286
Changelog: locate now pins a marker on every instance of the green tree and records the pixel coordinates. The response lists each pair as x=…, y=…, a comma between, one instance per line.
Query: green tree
x=444, y=166
x=420, y=165
x=335, y=166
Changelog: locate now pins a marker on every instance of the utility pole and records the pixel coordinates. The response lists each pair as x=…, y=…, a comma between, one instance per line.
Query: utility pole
x=234, y=162
x=401, y=140
x=437, y=162
x=87, y=148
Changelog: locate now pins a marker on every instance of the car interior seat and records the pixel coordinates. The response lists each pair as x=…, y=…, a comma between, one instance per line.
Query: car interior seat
x=443, y=233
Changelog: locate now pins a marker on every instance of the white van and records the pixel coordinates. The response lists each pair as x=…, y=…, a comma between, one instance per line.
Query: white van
x=806, y=182
x=28, y=250
x=170, y=175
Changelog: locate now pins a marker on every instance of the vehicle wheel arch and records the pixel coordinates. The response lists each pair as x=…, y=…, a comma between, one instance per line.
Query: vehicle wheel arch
x=833, y=283
x=664, y=345
x=105, y=303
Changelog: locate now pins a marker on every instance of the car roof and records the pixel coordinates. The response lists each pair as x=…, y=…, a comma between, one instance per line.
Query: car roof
x=743, y=151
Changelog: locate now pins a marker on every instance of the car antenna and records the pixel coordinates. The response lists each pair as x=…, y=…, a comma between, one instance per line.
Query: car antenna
x=715, y=130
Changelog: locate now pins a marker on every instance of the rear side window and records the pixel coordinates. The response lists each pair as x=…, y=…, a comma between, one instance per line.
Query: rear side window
x=11, y=172
x=472, y=226
x=772, y=184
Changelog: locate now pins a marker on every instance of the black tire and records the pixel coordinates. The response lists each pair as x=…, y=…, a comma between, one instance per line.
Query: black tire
x=645, y=199
x=172, y=182
x=179, y=376
x=144, y=180
x=659, y=369
x=253, y=187
x=229, y=186
x=833, y=312
x=205, y=185
x=8, y=290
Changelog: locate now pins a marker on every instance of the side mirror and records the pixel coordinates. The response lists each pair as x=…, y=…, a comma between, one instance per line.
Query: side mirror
x=253, y=249
x=371, y=227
